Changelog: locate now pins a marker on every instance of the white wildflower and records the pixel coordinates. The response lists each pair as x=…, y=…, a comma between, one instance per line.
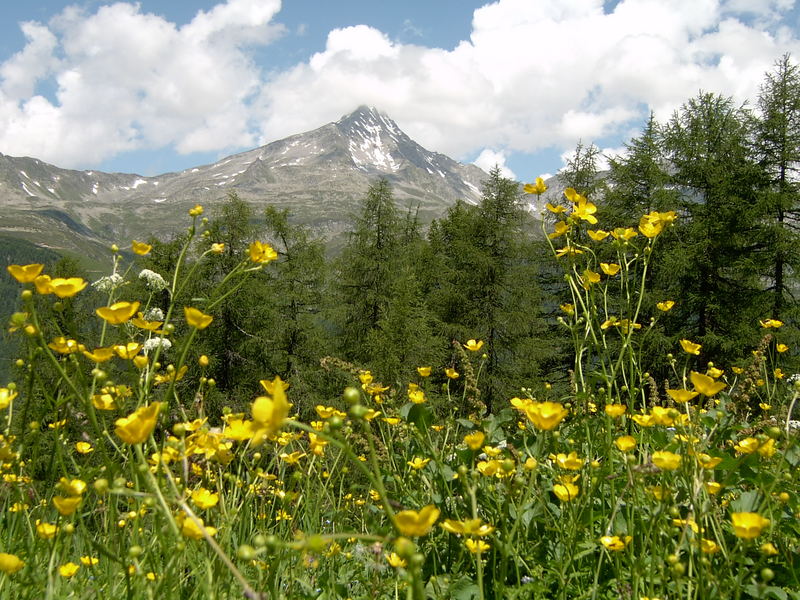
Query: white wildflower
x=154, y=314
x=153, y=281
x=108, y=283
x=154, y=343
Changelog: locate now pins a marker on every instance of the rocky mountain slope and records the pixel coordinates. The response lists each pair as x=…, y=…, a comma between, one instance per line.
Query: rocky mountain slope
x=320, y=176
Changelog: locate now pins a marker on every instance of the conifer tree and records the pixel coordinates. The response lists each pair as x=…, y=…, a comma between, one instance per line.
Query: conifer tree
x=778, y=151
x=481, y=284
x=719, y=261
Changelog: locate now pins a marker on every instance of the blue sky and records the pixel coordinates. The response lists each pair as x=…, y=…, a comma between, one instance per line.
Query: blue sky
x=157, y=86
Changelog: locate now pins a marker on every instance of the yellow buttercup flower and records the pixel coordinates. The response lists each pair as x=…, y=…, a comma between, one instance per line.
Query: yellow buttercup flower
x=84, y=447
x=10, y=563
x=395, y=561
x=42, y=284
x=771, y=323
x=476, y=546
x=473, y=345
x=615, y=543
x=474, y=440
x=667, y=461
x=204, y=499
x=705, y=384
x=561, y=227
x=690, y=347
x=590, y=278
x=748, y=525
x=598, y=235
x=46, y=531
x=6, y=397
x=537, y=188
x=615, y=410
x=190, y=529
x=666, y=305
x=585, y=210
x=412, y=523
x=681, y=396
x=781, y=347
x=546, y=415
x=709, y=546
x=196, y=318
x=89, y=561
x=25, y=273
x=137, y=427
x=262, y=253
x=566, y=491
x=624, y=233
x=424, y=371
x=196, y=211
x=768, y=549
x=474, y=527
x=140, y=248
x=68, y=570
x=451, y=373
x=270, y=413
x=418, y=463
x=99, y=355
x=610, y=269
x=67, y=287
x=569, y=461
x=625, y=443
x=117, y=313
x=66, y=505
x=416, y=396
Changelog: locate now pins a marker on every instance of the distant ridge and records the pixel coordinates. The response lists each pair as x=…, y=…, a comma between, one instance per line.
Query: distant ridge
x=320, y=176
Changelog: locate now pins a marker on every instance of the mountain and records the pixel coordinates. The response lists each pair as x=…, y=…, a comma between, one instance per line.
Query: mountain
x=320, y=176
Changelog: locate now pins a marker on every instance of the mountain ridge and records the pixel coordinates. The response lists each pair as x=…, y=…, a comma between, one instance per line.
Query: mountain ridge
x=319, y=175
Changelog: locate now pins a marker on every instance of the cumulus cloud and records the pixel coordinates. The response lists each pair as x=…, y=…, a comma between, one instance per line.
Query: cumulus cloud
x=488, y=159
x=536, y=75
x=532, y=75
x=126, y=80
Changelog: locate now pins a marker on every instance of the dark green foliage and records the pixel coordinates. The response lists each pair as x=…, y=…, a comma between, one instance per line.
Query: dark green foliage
x=777, y=139
x=384, y=319
x=720, y=250
x=481, y=284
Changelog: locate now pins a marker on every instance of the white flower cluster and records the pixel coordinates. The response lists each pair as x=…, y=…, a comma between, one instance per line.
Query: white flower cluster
x=154, y=314
x=108, y=283
x=154, y=343
x=152, y=280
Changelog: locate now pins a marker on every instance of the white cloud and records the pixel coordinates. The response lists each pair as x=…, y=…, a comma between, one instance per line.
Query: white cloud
x=532, y=75
x=127, y=80
x=488, y=159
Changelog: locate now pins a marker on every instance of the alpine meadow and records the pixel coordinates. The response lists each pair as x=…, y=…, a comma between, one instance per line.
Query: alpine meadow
x=441, y=384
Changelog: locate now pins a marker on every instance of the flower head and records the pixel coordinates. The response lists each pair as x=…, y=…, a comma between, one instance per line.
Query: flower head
x=667, y=461
x=262, y=253
x=412, y=523
x=748, y=525
x=196, y=318
x=473, y=345
x=117, y=313
x=474, y=440
x=67, y=287
x=25, y=273
x=690, y=347
x=537, y=188
x=10, y=563
x=705, y=384
x=137, y=427
x=140, y=248
x=545, y=415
